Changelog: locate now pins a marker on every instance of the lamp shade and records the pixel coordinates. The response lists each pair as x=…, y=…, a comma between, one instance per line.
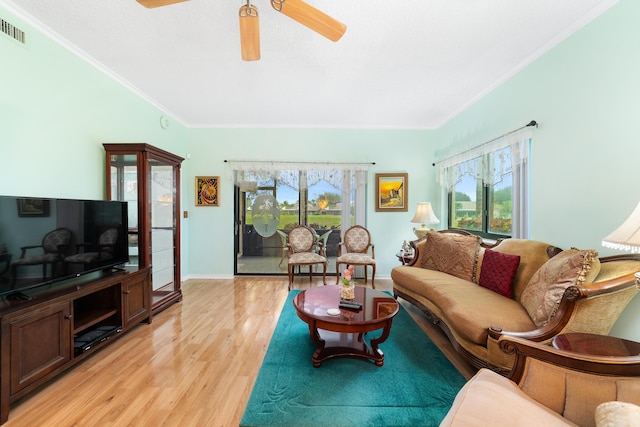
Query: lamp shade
x=627, y=236
x=424, y=215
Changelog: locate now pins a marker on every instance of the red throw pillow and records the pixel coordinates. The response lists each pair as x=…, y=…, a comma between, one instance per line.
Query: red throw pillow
x=498, y=271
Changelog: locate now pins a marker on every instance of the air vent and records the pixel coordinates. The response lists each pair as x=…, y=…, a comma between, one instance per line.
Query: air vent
x=15, y=33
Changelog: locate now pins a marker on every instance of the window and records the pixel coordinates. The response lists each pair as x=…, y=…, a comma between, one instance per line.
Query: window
x=487, y=187
x=480, y=209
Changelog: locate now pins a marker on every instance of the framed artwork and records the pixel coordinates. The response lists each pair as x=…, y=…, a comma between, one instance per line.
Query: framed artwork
x=391, y=192
x=33, y=207
x=207, y=191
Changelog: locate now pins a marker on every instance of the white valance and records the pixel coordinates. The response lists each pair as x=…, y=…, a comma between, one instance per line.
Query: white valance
x=301, y=166
x=488, y=162
x=297, y=175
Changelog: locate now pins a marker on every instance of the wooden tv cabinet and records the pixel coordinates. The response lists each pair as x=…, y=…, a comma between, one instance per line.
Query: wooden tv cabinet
x=43, y=336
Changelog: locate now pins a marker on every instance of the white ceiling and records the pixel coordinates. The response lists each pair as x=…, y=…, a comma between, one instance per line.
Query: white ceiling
x=401, y=64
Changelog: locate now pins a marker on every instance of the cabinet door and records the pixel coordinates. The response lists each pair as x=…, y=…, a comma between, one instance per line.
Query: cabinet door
x=136, y=299
x=40, y=343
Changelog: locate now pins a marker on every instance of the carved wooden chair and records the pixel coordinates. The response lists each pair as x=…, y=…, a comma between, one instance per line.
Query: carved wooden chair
x=356, y=243
x=302, y=251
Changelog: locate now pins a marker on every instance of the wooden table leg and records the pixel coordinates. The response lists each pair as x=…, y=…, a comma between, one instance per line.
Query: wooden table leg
x=377, y=353
x=315, y=337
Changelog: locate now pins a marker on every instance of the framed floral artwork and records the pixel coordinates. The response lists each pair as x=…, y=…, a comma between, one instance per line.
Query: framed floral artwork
x=207, y=191
x=391, y=192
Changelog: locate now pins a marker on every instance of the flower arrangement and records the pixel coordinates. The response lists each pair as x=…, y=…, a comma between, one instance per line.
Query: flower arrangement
x=346, y=275
x=347, y=292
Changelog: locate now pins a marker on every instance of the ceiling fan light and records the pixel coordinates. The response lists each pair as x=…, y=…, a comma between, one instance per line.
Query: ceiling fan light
x=158, y=3
x=311, y=17
x=249, y=33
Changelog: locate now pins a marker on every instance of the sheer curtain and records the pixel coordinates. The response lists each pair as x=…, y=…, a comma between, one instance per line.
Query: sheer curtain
x=489, y=162
x=351, y=178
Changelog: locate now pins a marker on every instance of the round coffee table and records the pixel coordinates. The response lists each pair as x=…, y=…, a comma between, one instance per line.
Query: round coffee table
x=343, y=334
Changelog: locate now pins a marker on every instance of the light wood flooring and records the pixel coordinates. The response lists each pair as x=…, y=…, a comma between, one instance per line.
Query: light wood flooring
x=193, y=366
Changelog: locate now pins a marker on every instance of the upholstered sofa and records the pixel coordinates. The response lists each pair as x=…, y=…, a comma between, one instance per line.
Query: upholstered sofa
x=550, y=387
x=477, y=292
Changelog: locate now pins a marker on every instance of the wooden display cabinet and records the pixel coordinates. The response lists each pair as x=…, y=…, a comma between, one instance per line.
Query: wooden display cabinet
x=43, y=336
x=148, y=178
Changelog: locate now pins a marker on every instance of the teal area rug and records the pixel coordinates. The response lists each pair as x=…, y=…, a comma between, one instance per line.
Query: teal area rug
x=415, y=386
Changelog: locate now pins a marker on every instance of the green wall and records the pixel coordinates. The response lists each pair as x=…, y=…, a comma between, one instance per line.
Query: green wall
x=56, y=110
x=585, y=93
x=211, y=240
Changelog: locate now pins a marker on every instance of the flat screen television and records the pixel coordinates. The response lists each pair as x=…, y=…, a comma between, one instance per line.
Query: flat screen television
x=44, y=241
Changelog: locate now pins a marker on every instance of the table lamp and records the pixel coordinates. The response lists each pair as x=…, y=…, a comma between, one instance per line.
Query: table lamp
x=424, y=215
x=627, y=237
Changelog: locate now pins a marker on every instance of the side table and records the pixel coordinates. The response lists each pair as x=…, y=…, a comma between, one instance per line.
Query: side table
x=596, y=345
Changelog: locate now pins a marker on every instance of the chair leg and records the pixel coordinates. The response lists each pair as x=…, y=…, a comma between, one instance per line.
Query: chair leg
x=324, y=273
x=337, y=273
x=373, y=276
x=290, y=268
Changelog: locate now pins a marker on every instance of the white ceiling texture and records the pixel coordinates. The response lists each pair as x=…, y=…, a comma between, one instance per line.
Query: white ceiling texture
x=400, y=65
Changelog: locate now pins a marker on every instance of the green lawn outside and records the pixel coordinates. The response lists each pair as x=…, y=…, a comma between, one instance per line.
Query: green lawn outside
x=321, y=221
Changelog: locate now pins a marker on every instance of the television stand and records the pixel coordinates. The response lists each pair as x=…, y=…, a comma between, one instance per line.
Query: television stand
x=59, y=326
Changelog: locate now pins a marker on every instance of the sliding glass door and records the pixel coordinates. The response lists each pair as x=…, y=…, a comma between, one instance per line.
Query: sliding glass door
x=269, y=203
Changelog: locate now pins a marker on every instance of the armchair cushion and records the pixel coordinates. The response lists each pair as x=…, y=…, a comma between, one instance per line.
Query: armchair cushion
x=356, y=258
x=451, y=253
x=544, y=291
x=306, y=258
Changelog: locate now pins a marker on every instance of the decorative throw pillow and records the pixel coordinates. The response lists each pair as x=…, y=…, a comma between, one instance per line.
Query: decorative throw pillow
x=451, y=253
x=617, y=414
x=541, y=297
x=497, y=272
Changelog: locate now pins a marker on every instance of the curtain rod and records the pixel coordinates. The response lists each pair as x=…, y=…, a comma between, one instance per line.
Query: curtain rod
x=298, y=163
x=531, y=123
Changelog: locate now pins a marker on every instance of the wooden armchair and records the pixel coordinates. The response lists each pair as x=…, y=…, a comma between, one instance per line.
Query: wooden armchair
x=354, y=250
x=546, y=387
x=304, y=250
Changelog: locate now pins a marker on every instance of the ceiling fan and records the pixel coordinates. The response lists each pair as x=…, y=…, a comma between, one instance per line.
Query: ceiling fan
x=297, y=10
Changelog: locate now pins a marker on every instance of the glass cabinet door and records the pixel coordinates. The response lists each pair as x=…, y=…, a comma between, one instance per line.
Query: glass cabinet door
x=123, y=177
x=162, y=226
x=149, y=180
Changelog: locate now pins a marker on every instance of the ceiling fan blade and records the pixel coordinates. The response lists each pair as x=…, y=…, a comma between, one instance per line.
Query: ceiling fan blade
x=158, y=3
x=249, y=33
x=311, y=17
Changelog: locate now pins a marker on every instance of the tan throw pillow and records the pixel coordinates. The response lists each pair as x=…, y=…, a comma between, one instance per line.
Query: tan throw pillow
x=451, y=253
x=617, y=414
x=541, y=297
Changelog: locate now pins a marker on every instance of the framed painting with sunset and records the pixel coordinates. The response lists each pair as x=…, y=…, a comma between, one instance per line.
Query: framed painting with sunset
x=391, y=192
